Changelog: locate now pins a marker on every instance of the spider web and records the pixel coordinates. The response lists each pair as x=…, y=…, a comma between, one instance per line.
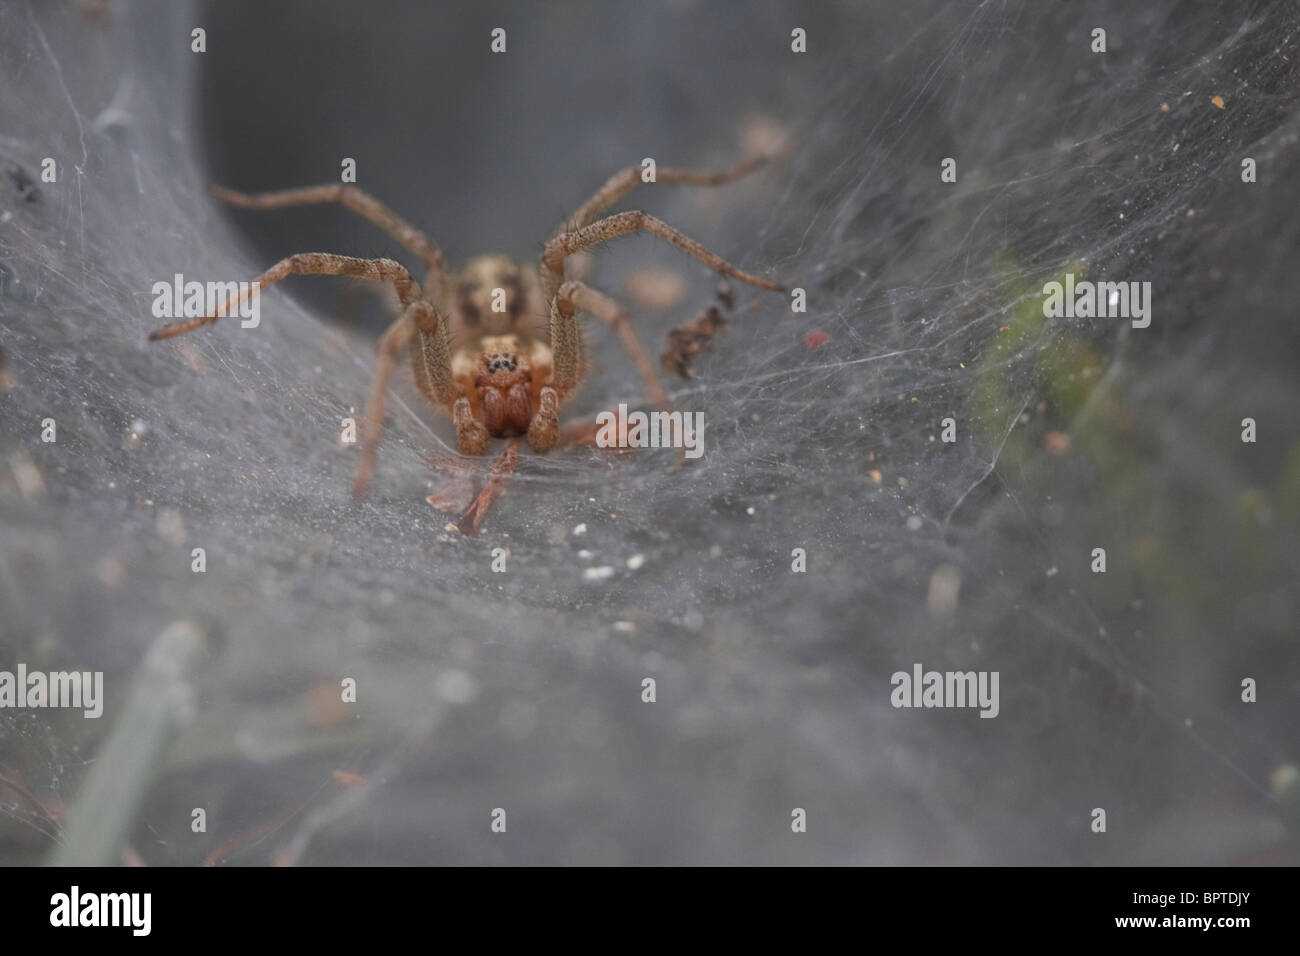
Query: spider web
x=522, y=690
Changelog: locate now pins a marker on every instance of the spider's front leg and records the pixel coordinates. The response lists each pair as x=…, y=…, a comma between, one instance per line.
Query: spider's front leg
x=574, y=295
x=626, y=180
x=363, y=204
x=419, y=324
x=569, y=242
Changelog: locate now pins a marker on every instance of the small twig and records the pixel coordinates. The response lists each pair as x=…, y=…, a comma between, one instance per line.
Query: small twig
x=30, y=797
x=494, y=489
x=249, y=837
x=100, y=821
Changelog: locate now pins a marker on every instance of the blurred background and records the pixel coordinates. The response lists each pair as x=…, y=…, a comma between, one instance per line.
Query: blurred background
x=522, y=690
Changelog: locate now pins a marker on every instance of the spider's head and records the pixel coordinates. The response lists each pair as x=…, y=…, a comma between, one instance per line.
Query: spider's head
x=502, y=382
x=490, y=295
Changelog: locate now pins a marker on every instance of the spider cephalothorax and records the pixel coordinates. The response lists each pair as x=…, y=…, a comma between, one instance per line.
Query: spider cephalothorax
x=496, y=346
x=502, y=384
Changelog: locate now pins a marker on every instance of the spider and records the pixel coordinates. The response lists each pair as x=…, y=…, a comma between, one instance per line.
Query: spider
x=496, y=346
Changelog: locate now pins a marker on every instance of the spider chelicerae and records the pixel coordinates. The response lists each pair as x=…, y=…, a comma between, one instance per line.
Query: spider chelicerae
x=496, y=346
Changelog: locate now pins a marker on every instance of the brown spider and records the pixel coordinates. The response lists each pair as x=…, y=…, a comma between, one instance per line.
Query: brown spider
x=509, y=352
